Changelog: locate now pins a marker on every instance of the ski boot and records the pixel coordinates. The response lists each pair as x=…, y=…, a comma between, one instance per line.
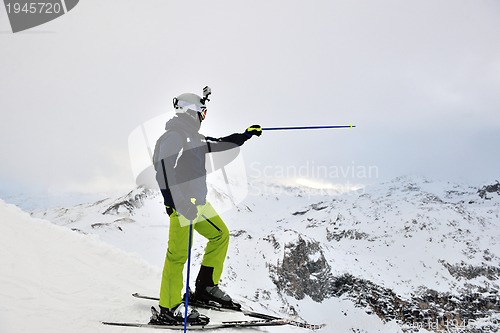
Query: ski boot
x=209, y=293
x=213, y=295
x=175, y=316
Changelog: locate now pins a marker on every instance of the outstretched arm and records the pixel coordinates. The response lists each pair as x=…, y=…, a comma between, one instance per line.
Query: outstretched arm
x=233, y=140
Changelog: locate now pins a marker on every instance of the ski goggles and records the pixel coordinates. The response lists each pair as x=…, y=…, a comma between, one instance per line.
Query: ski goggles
x=190, y=106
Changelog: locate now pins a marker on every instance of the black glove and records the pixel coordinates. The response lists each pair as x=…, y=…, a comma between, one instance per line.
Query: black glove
x=253, y=130
x=188, y=210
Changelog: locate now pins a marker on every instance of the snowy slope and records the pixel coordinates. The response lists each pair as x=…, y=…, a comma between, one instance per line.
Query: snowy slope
x=317, y=255
x=55, y=280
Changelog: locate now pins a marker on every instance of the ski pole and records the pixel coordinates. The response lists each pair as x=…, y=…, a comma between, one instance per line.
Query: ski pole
x=186, y=304
x=305, y=127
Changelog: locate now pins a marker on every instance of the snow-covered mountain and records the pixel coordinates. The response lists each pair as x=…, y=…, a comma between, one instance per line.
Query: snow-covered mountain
x=405, y=255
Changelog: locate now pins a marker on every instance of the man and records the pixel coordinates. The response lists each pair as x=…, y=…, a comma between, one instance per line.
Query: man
x=179, y=160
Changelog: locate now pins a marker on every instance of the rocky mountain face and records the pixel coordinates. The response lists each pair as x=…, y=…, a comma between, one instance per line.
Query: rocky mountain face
x=488, y=191
x=420, y=253
x=304, y=270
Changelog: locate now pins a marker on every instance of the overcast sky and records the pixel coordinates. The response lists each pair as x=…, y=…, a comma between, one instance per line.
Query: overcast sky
x=419, y=78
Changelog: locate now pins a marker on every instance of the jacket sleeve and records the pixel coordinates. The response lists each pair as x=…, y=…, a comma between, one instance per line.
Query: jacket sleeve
x=165, y=157
x=226, y=143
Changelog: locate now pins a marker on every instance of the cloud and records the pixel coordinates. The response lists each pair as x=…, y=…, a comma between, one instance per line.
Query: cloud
x=418, y=78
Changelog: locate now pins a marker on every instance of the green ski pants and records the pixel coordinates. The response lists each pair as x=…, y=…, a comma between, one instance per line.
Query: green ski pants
x=209, y=225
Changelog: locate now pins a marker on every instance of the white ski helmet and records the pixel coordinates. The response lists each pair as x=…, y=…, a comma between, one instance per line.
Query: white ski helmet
x=192, y=104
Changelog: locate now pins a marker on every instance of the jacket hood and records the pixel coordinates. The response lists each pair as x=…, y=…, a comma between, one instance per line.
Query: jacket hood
x=184, y=123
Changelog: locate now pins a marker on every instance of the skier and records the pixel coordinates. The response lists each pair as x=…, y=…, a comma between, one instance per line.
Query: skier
x=179, y=160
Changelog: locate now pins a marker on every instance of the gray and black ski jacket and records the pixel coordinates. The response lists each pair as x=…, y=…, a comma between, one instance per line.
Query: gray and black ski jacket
x=179, y=160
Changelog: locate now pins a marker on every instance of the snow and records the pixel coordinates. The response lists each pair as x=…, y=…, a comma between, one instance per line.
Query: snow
x=80, y=268
x=57, y=280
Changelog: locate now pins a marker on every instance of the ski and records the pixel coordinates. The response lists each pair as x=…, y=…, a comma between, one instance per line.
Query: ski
x=249, y=313
x=209, y=326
